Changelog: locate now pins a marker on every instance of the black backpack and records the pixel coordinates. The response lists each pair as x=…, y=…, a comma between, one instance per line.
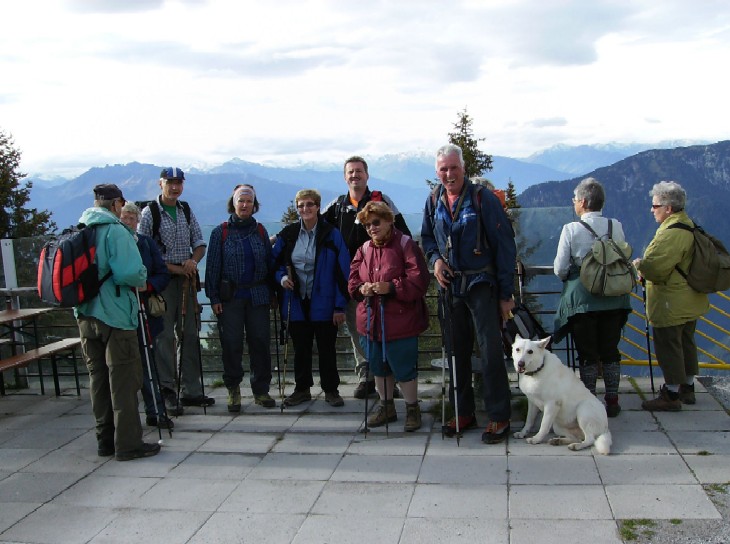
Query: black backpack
x=154, y=207
x=67, y=271
x=523, y=323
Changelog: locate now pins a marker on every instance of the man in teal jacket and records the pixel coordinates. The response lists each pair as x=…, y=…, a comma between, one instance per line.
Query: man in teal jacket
x=108, y=330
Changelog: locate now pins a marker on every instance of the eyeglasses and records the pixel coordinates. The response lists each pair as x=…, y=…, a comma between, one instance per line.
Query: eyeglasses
x=373, y=223
x=303, y=205
x=655, y=206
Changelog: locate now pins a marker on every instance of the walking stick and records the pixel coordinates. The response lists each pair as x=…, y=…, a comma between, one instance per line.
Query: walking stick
x=450, y=352
x=285, y=339
x=179, y=353
x=276, y=342
x=648, y=342
x=385, y=361
x=368, y=313
x=145, y=345
x=443, y=368
x=198, y=327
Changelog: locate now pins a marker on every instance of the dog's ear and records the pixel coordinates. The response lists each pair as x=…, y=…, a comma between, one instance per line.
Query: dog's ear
x=517, y=337
x=545, y=342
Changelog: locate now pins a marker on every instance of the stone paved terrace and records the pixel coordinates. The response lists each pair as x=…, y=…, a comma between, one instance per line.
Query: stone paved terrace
x=309, y=476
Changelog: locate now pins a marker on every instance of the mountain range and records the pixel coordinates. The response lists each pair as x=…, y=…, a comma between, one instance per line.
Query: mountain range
x=401, y=176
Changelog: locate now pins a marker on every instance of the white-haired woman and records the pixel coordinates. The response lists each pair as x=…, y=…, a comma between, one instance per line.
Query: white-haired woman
x=672, y=306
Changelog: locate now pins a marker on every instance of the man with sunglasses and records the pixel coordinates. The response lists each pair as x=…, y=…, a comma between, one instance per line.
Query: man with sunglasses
x=172, y=224
x=342, y=213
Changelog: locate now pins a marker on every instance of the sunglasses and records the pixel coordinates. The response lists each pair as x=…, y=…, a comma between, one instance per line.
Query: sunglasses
x=305, y=205
x=655, y=206
x=373, y=223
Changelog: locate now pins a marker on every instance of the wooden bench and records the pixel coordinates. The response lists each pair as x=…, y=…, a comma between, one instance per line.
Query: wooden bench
x=61, y=348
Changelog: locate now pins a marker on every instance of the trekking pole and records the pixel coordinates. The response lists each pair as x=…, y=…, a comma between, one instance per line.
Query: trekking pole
x=276, y=343
x=142, y=325
x=285, y=339
x=198, y=327
x=179, y=352
x=368, y=313
x=385, y=361
x=646, y=329
x=450, y=353
x=443, y=367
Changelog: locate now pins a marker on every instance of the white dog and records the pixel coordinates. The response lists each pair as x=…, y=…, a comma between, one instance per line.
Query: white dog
x=578, y=417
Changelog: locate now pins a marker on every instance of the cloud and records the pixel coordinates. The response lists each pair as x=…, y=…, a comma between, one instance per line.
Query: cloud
x=551, y=122
x=112, y=6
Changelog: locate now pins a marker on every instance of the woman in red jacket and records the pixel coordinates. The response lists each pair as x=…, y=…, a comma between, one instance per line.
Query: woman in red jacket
x=390, y=274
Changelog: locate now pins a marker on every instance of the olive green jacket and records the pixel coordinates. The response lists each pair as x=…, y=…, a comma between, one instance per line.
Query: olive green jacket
x=670, y=300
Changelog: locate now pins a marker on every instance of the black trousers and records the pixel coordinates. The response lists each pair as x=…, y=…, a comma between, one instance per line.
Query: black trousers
x=597, y=335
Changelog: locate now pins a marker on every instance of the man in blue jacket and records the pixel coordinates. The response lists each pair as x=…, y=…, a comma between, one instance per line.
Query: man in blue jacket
x=108, y=331
x=469, y=241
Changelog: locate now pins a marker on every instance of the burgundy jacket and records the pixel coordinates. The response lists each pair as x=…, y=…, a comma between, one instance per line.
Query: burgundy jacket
x=401, y=262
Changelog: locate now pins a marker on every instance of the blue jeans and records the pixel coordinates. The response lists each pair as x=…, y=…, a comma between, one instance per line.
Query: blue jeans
x=478, y=311
x=241, y=319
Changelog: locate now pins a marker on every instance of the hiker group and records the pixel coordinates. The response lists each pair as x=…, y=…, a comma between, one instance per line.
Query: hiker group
x=353, y=262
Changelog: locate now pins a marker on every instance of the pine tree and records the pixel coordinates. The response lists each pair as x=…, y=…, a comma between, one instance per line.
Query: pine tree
x=17, y=221
x=476, y=162
x=290, y=214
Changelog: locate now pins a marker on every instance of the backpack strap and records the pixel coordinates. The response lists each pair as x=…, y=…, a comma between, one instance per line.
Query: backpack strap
x=688, y=229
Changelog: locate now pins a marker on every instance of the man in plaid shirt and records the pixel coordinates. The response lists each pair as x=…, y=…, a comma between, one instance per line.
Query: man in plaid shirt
x=171, y=223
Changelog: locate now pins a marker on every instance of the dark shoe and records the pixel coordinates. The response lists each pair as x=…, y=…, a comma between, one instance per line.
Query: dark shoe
x=667, y=401
x=333, y=398
x=385, y=414
x=298, y=397
x=200, y=400
x=687, y=394
x=364, y=389
x=495, y=432
x=234, y=399
x=173, y=408
x=145, y=450
x=105, y=449
x=465, y=422
x=162, y=422
x=396, y=392
x=413, y=417
x=613, y=408
x=265, y=400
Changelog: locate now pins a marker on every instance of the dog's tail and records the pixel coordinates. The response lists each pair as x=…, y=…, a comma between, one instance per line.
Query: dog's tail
x=603, y=443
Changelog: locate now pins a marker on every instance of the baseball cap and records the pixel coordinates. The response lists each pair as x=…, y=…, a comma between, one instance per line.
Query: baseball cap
x=107, y=191
x=171, y=172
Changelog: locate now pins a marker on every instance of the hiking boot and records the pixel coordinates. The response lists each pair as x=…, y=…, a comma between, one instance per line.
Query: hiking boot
x=465, y=422
x=385, y=414
x=413, y=417
x=333, y=398
x=265, y=400
x=105, y=449
x=173, y=408
x=200, y=400
x=667, y=401
x=145, y=450
x=234, y=399
x=613, y=408
x=162, y=422
x=687, y=393
x=495, y=432
x=298, y=397
x=364, y=389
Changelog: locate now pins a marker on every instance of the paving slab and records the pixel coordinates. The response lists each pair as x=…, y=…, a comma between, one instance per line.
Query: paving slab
x=646, y=442
x=660, y=502
x=228, y=527
x=694, y=442
x=208, y=465
x=644, y=469
x=705, y=420
x=133, y=526
x=709, y=469
x=60, y=524
x=562, y=531
x=35, y=487
x=378, y=468
x=293, y=466
x=488, y=470
x=558, y=502
x=186, y=494
x=346, y=529
x=12, y=512
x=454, y=501
x=313, y=443
x=482, y=530
x=267, y=496
x=556, y=470
x=364, y=499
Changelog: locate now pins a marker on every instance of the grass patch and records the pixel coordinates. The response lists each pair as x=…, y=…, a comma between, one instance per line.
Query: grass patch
x=630, y=529
x=218, y=382
x=704, y=452
x=720, y=489
x=675, y=521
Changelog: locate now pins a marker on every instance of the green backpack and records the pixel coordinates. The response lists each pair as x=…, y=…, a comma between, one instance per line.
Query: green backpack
x=709, y=271
x=607, y=270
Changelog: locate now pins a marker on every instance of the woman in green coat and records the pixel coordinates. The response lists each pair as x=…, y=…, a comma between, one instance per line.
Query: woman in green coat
x=672, y=305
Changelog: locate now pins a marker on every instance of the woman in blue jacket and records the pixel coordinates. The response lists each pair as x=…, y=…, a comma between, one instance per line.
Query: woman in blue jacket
x=157, y=279
x=237, y=282
x=313, y=264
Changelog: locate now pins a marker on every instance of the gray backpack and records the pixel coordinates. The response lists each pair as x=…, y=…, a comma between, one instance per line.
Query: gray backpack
x=607, y=270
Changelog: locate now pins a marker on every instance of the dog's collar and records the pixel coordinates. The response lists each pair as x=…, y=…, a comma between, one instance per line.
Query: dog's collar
x=538, y=369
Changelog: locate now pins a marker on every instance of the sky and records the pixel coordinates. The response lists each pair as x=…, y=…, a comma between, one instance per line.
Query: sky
x=86, y=83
